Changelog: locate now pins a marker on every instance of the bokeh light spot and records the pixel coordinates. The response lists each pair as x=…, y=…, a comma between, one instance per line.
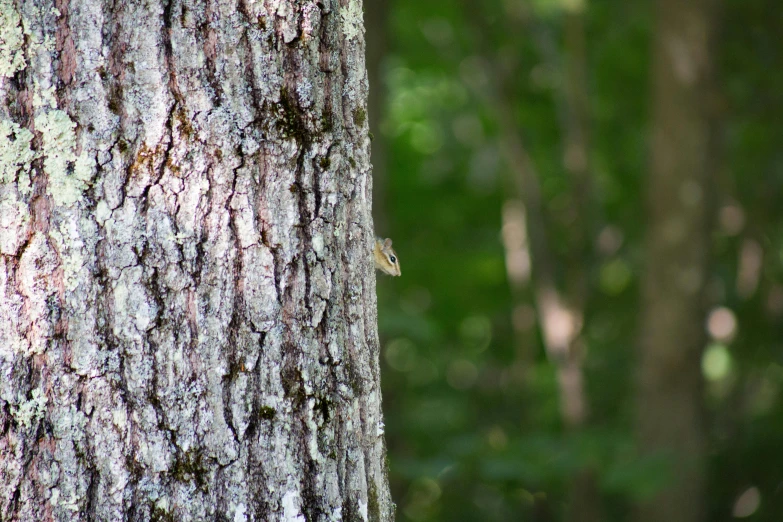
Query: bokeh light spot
x=716, y=362
x=722, y=324
x=426, y=137
x=401, y=355
x=615, y=276
x=747, y=503
x=497, y=438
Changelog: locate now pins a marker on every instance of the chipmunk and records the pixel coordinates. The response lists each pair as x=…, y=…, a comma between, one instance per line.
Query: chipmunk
x=386, y=258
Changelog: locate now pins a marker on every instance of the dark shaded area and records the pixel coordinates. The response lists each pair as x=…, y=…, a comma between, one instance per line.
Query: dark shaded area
x=520, y=181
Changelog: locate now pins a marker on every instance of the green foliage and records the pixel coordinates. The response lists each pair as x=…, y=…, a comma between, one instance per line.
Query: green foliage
x=473, y=418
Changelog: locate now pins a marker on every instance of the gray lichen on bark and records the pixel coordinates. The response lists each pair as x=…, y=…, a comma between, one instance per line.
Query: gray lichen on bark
x=187, y=302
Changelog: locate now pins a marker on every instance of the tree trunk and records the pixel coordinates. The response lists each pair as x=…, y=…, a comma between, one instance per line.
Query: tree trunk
x=187, y=299
x=669, y=420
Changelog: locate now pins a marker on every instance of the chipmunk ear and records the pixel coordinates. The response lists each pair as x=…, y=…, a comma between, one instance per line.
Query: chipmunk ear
x=387, y=243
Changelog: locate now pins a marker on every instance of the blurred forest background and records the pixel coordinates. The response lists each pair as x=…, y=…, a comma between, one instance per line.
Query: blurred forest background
x=587, y=200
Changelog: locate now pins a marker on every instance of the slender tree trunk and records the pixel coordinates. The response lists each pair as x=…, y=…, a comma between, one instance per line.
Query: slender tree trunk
x=670, y=401
x=560, y=313
x=584, y=495
x=187, y=301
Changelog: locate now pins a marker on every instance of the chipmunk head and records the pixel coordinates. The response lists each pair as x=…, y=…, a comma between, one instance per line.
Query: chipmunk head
x=385, y=258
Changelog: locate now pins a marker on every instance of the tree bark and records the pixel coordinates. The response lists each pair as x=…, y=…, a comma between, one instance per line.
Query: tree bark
x=669, y=422
x=188, y=324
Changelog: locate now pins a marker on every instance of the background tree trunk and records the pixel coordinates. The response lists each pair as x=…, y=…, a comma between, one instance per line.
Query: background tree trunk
x=670, y=393
x=377, y=15
x=188, y=325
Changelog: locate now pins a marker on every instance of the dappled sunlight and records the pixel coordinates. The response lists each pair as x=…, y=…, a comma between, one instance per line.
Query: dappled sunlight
x=722, y=324
x=515, y=242
x=716, y=362
x=560, y=324
x=747, y=503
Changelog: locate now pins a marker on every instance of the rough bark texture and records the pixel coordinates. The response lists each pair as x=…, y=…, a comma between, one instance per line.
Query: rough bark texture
x=678, y=243
x=187, y=301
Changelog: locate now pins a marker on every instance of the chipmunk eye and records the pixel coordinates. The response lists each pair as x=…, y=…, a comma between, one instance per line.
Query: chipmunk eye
x=392, y=259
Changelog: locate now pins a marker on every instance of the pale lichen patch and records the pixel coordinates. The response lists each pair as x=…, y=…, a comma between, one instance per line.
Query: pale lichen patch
x=353, y=20
x=11, y=40
x=119, y=417
x=291, y=510
x=240, y=513
x=288, y=21
x=44, y=96
x=318, y=245
x=102, y=212
x=14, y=216
x=73, y=263
x=15, y=159
x=363, y=509
x=29, y=412
x=310, y=20
x=59, y=144
x=71, y=503
x=84, y=167
x=15, y=154
x=68, y=423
